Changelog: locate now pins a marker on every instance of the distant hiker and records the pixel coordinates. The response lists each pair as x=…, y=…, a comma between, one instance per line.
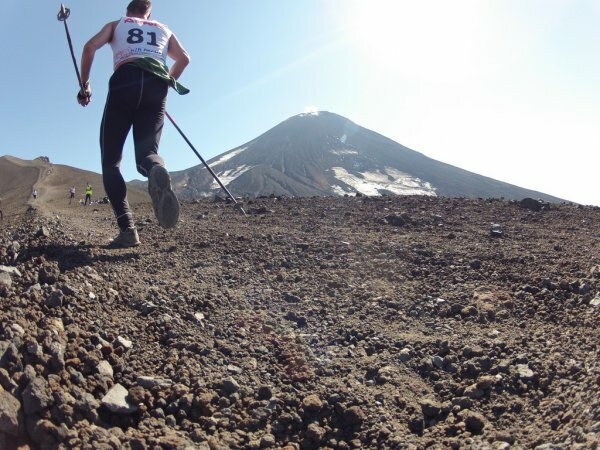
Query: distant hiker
x=34, y=194
x=88, y=194
x=137, y=95
x=71, y=194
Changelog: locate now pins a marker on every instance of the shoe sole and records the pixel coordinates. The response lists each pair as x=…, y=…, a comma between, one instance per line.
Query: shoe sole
x=164, y=201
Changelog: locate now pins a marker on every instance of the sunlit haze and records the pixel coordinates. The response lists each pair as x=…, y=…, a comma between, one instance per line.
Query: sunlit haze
x=507, y=89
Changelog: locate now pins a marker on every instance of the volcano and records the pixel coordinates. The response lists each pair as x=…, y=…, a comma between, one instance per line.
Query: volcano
x=324, y=154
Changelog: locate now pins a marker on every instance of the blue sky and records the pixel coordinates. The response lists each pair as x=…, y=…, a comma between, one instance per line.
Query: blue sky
x=508, y=89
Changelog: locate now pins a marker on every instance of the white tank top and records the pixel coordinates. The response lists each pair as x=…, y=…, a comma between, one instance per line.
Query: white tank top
x=139, y=38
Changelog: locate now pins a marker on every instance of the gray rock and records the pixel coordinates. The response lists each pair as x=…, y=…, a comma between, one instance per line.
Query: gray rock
x=11, y=415
x=230, y=385
x=11, y=271
x=524, y=372
x=5, y=280
x=438, y=362
x=105, y=369
x=123, y=342
x=36, y=396
x=596, y=300
x=117, y=401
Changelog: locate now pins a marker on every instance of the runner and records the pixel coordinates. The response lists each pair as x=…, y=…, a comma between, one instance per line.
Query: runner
x=88, y=194
x=71, y=194
x=137, y=96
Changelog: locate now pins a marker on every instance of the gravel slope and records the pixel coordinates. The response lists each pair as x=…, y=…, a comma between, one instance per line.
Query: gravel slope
x=312, y=323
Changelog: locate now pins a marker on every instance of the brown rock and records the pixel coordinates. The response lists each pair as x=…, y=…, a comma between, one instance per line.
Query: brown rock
x=474, y=422
x=354, y=416
x=315, y=433
x=312, y=403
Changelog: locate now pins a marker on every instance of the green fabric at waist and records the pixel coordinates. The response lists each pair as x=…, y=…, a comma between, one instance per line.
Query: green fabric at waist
x=161, y=70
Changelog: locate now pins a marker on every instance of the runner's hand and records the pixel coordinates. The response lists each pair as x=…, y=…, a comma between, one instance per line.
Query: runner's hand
x=84, y=97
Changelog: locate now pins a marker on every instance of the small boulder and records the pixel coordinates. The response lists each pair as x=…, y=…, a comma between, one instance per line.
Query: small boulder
x=11, y=414
x=117, y=400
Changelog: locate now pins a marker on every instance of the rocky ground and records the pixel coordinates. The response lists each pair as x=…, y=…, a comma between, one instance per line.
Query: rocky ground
x=338, y=323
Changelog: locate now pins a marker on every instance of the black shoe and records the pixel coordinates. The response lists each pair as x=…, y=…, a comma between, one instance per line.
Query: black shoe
x=164, y=202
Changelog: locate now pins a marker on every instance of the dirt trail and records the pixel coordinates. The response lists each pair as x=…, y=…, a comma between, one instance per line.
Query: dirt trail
x=312, y=323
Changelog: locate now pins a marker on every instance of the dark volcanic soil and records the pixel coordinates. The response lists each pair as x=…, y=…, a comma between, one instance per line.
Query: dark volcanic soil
x=312, y=323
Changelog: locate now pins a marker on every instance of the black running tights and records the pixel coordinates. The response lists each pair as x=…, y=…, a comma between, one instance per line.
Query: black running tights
x=137, y=99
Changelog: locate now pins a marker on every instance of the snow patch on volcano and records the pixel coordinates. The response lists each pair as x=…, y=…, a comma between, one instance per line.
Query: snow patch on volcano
x=228, y=156
x=227, y=176
x=379, y=182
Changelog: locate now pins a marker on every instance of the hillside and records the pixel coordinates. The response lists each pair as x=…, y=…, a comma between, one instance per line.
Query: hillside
x=357, y=322
x=19, y=177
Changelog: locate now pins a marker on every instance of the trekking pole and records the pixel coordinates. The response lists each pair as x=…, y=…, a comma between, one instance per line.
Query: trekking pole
x=62, y=16
x=231, y=197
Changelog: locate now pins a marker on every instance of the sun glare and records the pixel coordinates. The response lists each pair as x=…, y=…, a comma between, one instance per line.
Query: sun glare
x=416, y=38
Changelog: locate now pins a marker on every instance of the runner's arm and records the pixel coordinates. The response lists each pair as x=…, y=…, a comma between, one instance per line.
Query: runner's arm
x=103, y=37
x=179, y=55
